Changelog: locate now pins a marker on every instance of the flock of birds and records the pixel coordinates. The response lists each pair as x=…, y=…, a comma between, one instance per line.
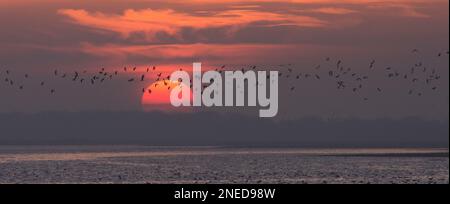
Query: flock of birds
x=344, y=78
x=82, y=77
x=419, y=76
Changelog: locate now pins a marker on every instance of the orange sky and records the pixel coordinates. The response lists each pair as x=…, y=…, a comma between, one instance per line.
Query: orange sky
x=187, y=30
x=39, y=35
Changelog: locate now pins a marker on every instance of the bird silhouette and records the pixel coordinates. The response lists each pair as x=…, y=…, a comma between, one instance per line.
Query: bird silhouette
x=372, y=63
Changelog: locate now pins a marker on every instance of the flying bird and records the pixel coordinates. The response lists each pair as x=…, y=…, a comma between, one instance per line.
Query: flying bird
x=372, y=63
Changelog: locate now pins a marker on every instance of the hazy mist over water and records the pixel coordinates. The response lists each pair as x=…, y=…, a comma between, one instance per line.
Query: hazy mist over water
x=157, y=128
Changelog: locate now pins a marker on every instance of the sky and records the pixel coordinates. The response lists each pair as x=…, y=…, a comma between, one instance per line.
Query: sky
x=40, y=36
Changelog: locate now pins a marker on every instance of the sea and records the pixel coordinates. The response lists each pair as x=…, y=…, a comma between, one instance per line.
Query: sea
x=222, y=165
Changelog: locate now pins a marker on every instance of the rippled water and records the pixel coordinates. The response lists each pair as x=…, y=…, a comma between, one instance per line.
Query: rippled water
x=138, y=164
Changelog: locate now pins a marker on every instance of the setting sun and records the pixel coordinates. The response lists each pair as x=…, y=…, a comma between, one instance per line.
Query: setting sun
x=157, y=95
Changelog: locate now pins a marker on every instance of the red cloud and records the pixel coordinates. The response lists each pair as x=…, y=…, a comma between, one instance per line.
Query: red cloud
x=151, y=22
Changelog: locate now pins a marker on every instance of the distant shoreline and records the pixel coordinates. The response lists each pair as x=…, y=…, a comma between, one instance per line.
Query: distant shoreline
x=133, y=150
